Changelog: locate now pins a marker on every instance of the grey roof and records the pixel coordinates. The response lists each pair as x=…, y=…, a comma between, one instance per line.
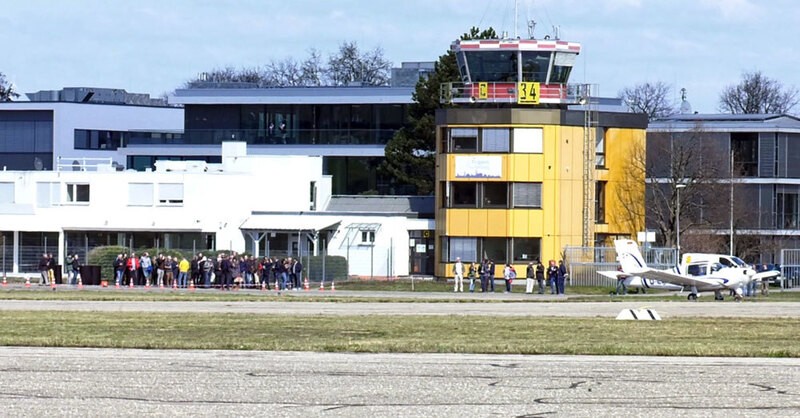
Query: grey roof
x=412, y=206
x=725, y=122
x=295, y=95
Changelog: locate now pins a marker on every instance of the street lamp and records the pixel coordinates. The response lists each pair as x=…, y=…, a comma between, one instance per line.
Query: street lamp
x=678, y=188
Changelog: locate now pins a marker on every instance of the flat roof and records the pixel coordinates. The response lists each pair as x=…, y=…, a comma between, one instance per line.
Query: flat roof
x=727, y=122
x=294, y=95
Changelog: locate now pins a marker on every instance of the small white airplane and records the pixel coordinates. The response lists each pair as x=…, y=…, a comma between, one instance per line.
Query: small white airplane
x=699, y=272
x=637, y=282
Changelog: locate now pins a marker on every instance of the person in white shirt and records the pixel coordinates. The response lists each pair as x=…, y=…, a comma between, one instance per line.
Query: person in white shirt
x=458, y=272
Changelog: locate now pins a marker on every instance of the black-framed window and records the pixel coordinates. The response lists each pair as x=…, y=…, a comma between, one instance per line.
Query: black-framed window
x=527, y=195
x=494, y=195
x=600, y=148
x=464, y=140
x=495, y=140
x=495, y=249
x=600, y=202
x=745, y=153
x=492, y=140
x=526, y=249
x=464, y=248
x=463, y=194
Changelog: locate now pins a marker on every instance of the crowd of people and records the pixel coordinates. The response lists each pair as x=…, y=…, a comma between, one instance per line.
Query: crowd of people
x=225, y=271
x=484, y=274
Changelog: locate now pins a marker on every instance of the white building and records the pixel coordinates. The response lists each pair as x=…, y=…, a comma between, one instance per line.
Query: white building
x=265, y=205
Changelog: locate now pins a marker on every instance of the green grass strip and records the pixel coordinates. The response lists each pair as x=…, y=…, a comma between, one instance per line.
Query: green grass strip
x=727, y=337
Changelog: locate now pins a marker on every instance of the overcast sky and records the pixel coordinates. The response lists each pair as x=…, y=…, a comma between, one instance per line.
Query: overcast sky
x=152, y=46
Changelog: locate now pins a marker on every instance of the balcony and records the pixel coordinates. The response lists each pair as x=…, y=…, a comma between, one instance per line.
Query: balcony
x=509, y=92
x=267, y=137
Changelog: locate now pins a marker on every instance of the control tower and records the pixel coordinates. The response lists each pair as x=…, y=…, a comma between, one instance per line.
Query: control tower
x=527, y=164
x=521, y=71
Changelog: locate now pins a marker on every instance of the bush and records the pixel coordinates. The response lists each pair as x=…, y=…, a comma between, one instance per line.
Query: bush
x=104, y=257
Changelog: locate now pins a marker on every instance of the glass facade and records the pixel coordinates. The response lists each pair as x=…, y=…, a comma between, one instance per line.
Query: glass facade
x=361, y=175
x=293, y=124
x=26, y=140
x=93, y=139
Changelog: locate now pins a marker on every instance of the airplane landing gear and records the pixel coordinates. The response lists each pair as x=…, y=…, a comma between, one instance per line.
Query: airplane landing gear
x=718, y=295
x=692, y=297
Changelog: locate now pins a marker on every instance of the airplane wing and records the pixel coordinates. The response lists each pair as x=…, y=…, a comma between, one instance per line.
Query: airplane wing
x=770, y=275
x=707, y=282
x=613, y=274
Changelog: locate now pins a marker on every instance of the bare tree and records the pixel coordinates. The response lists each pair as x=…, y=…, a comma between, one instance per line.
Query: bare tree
x=757, y=93
x=284, y=73
x=629, y=190
x=350, y=65
x=7, y=92
x=651, y=99
x=683, y=174
x=312, y=70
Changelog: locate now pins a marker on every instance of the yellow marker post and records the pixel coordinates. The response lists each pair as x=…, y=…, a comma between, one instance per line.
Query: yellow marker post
x=528, y=92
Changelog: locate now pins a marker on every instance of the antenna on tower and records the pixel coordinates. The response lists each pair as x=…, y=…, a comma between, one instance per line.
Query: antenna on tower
x=686, y=107
x=531, y=27
x=556, y=29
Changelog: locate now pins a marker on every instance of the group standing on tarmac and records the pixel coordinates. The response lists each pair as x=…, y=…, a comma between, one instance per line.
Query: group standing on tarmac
x=485, y=273
x=224, y=272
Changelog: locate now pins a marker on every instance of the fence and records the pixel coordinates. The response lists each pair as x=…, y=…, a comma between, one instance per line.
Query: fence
x=583, y=263
x=790, y=267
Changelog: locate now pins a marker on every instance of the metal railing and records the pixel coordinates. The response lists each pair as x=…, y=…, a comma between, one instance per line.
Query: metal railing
x=497, y=92
x=83, y=164
x=583, y=263
x=270, y=137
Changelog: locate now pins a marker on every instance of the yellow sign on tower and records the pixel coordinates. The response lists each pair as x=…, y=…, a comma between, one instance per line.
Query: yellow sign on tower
x=527, y=92
x=483, y=90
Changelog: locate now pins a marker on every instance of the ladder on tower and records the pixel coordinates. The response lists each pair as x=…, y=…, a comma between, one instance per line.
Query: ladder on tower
x=590, y=124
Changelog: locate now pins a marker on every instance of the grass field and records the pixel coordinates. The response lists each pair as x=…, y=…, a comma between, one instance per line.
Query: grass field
x=437, y=334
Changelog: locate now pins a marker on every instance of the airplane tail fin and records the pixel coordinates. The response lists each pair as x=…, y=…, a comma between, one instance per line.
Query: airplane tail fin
x=629, y=256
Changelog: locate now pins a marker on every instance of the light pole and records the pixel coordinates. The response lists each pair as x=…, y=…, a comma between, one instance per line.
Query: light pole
x=678, y=188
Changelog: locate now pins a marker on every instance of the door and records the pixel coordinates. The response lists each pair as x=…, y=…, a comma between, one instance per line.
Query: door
x=421, y=249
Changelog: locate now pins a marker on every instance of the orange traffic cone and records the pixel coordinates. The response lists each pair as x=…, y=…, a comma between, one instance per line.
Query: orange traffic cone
x=131, y=283
x=161, y=284
x=321, y=286
x=333, y=286
x=80, y=283
x=5, y=282
x=53, y=284
x=263, y=285
x=191, y=285
x=116, y=285
x=276, y=286
x=305, y=285
x=27, y=282
x=175, y=284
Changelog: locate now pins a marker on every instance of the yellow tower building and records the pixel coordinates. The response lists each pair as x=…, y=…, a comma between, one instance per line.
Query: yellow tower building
x=527, y=164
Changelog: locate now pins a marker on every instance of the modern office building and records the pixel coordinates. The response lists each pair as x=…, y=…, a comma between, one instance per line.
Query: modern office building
x=65, y=126
x=348, y=126
x=742, y=174
x=521, y=174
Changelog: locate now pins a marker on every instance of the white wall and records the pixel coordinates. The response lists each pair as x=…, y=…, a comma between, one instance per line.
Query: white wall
x=213, y=202
x=388, y=256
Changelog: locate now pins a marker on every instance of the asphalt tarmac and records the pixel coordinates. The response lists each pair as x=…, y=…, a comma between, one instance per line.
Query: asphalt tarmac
x=109, y=382
x=558, y=309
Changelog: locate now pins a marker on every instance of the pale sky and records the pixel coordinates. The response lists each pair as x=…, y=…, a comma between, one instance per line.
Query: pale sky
x=153, y=46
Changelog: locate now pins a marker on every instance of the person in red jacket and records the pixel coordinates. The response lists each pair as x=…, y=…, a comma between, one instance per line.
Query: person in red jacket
x=133, y=268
